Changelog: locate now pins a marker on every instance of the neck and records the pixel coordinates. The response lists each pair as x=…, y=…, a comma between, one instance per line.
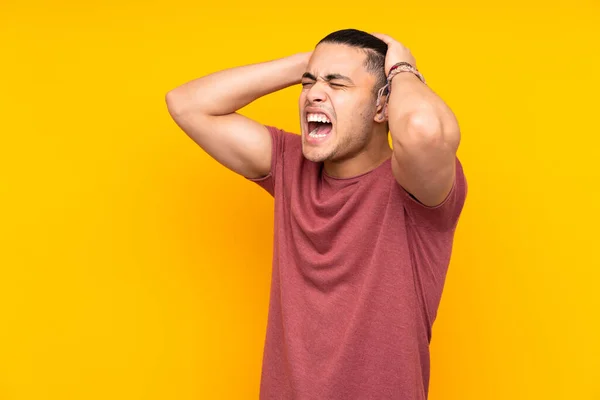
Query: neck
x=376, y=152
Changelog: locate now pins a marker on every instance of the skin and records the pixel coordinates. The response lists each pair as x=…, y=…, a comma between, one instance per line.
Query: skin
x=337, y=82
x=424, y=132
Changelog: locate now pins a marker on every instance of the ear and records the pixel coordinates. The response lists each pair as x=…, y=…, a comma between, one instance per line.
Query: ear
x=381, y=114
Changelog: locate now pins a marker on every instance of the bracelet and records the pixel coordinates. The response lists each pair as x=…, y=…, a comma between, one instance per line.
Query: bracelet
x=397, y=68
x=404, y=67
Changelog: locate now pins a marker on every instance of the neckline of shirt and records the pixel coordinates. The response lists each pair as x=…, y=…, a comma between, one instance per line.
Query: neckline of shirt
x=356, y=177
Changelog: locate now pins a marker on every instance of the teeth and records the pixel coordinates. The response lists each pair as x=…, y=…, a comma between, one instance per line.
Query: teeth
x=314, y=117
x=313, y=134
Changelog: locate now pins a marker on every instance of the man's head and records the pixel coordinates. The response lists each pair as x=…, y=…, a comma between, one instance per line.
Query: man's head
x=338, y=112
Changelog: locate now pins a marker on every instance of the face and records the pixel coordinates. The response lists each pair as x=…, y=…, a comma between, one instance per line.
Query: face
x=337, y=103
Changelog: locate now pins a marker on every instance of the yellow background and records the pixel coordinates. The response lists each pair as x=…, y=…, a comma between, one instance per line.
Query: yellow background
x=134, y=267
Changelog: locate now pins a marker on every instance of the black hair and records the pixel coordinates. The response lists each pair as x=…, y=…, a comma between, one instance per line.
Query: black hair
x=374, y=48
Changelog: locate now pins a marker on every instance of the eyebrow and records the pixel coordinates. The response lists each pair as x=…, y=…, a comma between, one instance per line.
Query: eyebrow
x=329, y=77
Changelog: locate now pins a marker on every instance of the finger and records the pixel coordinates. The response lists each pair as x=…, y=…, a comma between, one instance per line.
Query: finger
x=387, y=39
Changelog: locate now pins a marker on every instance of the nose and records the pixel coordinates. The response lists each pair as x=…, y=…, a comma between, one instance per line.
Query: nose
x=316, y=93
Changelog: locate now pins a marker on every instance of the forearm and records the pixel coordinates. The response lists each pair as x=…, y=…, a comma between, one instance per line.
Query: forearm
x=416, y=112
x=225, y=92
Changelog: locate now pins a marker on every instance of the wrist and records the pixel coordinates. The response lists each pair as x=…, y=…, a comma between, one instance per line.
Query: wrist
x=404, y=66
x=402, y=78
x=298, y=64
x=404, y=72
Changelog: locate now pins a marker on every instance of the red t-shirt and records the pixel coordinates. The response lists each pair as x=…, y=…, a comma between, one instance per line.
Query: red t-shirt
x=358, y=271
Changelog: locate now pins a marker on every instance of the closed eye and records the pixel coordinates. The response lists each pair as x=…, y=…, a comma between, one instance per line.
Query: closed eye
x=337, y=85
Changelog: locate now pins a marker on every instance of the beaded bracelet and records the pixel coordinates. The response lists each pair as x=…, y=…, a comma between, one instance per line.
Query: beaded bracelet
x=402, y=66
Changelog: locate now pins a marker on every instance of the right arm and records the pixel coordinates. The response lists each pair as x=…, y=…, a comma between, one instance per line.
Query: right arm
x=206, y=110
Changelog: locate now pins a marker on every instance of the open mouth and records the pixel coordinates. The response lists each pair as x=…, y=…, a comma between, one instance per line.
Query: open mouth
x=319, y=126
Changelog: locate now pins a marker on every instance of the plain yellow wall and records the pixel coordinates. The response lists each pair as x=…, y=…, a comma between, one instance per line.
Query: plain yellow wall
x=132, y=266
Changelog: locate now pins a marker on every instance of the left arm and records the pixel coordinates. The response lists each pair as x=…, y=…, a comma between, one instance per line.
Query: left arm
x=425, y=138
x=425, y=133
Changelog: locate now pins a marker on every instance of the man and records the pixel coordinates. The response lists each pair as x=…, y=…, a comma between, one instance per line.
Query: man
x=363, y=233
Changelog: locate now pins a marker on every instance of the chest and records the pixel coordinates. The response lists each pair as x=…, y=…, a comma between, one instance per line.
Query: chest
x=329, y=223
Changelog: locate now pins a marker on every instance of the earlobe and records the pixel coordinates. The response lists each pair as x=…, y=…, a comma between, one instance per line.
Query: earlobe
x=381, y=115
x=381, y=104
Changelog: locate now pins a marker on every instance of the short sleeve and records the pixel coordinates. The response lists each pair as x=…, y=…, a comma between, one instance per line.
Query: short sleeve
x=444, y=216
x=278, y=139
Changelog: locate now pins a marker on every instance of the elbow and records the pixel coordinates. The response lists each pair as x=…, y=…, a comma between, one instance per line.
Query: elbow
x=174, y=103
x=425, y=127
x=427, y=130
x=181, y=102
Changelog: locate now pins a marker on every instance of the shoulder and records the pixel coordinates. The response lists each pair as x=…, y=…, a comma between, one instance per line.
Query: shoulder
x=284, y=138
x=287, y=147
